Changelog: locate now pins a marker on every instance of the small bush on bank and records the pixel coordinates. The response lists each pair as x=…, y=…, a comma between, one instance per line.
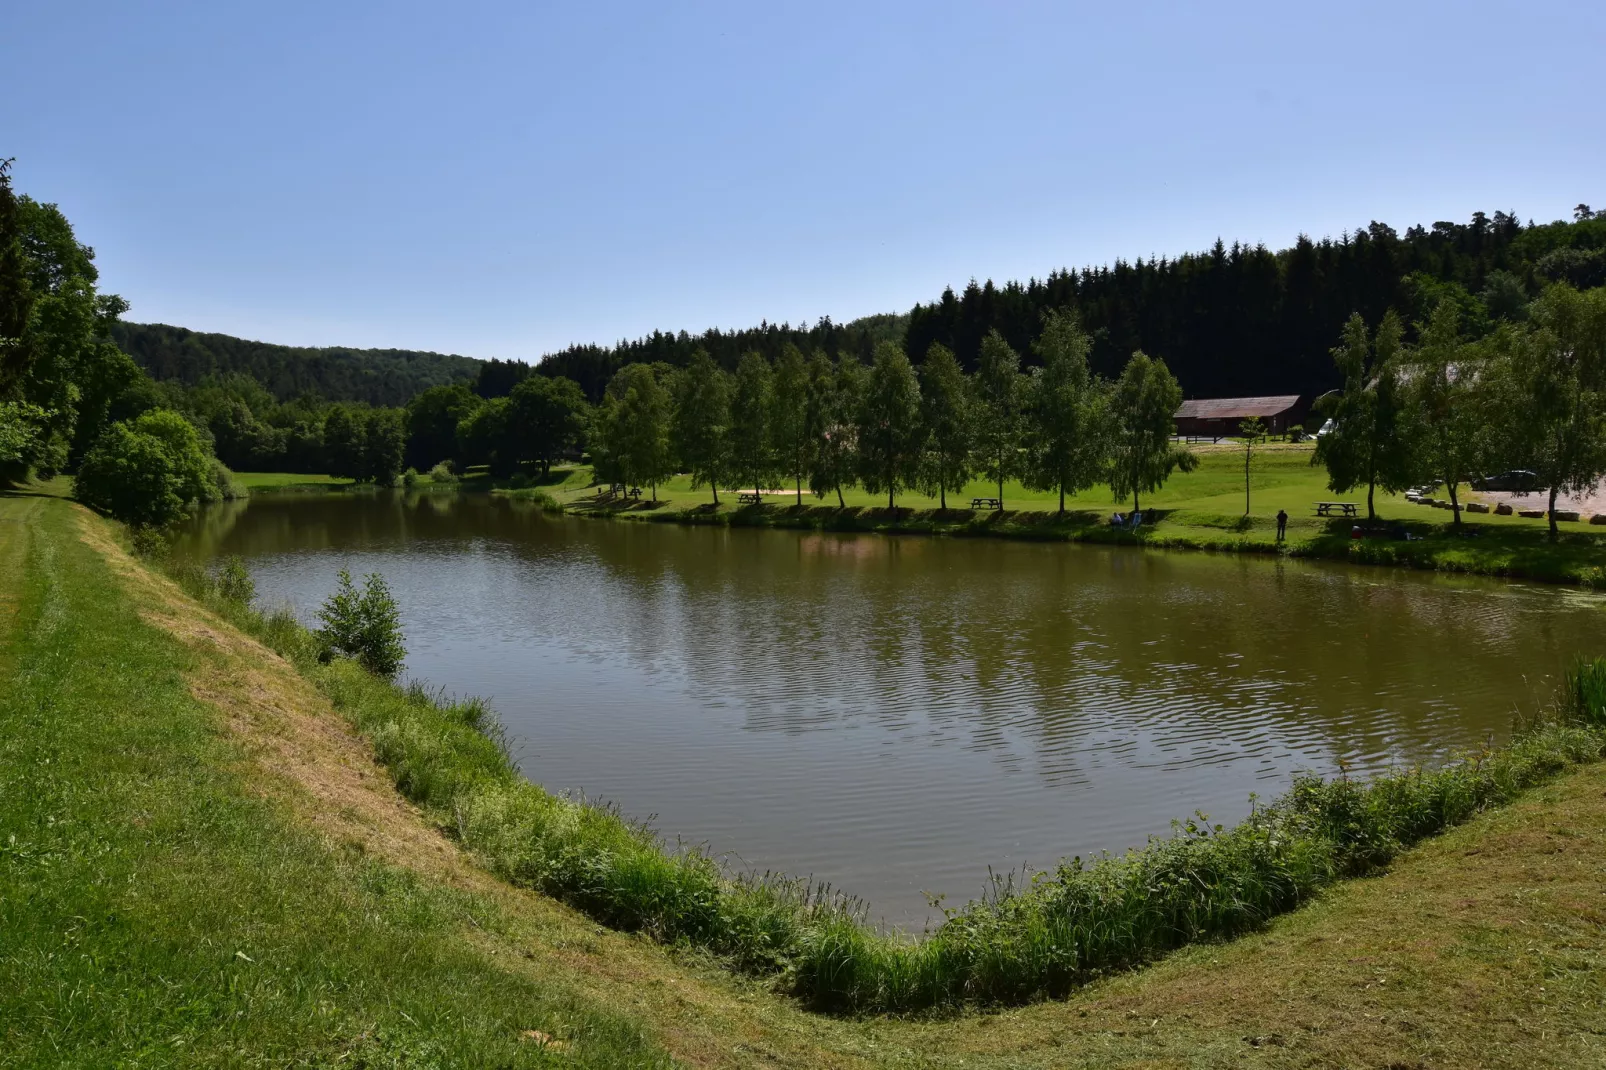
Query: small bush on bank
x=234, y=582
x=442, y=473
x=1038, y=939
x=365, y=626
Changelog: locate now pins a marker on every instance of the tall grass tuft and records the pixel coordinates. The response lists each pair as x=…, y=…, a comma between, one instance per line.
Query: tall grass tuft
x=1037, y=937
x=1583, y=692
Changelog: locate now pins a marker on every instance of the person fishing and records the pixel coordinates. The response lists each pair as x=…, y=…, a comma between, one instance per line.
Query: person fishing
x=1282, y=524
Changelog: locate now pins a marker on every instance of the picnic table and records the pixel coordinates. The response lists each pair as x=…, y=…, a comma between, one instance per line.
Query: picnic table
x=746, y=498
x=986, y=503
x=1338, y=508
x=634, y=492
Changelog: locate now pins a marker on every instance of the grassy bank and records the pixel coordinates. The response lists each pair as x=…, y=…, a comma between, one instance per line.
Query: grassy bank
x=1063, y=930
x=1482, y=947
x=1199, y=510
x=161, y=905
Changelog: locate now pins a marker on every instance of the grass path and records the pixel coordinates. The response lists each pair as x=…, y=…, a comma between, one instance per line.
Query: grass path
x=208, y=869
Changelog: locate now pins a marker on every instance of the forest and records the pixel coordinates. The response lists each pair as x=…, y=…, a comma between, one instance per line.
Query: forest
x=1233, y=320
x=372, y=376
x=1449, y=351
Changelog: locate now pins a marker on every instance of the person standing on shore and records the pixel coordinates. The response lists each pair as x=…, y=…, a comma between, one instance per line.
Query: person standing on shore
x=1282, y=524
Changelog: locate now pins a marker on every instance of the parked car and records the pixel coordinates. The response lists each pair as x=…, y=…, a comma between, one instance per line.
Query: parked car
x=1518, y=479
x=1325, y=429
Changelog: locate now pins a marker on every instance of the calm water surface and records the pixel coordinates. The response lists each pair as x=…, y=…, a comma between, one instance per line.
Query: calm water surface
x=897, y=715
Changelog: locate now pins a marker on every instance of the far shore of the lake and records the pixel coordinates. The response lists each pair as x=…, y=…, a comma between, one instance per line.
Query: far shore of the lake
x=1201, y=510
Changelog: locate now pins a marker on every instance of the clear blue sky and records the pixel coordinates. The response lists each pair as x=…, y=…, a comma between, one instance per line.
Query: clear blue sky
x=502, y=179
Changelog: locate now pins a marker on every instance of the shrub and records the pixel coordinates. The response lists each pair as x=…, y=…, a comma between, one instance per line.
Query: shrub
x=234, y=583
x=149, y=543
x=365, y=627
x=224, y=486
x=410, y=478
x=442, y=473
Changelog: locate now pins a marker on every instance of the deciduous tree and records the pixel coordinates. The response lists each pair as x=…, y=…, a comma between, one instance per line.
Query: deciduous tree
x=1066, y=413
x=1143, y=410
x=790, y=417
x=838, y=393
x=547, y=416
x=890, y=434
x=1445, y=389
x=1369, y=443
x=946, y=414
x=701, y=424
x=1560, y=370
x=1001, y=391
x=752, y=454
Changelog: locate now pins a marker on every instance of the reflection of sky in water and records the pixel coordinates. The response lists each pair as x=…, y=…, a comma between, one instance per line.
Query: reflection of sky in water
x=896, y=715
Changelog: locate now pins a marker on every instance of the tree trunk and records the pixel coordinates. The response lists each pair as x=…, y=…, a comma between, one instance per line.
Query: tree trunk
x=655, y=494
x=942, y=494
x=1062, y=499
x=1000, y=490
x=714, y=486
x=889, y=497
x=1455, y=503
x=1371, y=513
x=800, y=488
x=1552, y=514
x=1135, y=499
x=840, y=503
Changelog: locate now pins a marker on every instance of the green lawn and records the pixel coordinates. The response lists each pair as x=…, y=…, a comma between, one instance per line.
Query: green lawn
x=290, y=481
x=1203, y=509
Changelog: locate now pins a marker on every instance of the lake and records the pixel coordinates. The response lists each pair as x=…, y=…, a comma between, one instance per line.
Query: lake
x=897, y=715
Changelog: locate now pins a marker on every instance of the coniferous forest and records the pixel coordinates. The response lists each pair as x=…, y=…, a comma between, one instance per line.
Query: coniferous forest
x=1233, y=320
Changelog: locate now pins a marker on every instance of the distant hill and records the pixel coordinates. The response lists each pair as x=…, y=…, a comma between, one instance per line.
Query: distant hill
x=377, y=376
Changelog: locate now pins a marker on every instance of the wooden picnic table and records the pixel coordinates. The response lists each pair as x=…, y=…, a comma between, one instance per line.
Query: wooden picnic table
x=745, y=498
x=986, y=503
x=1344, y=508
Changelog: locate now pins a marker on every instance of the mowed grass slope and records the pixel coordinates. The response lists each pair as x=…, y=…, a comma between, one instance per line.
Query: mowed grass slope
x=159, y=904
x=160, y=843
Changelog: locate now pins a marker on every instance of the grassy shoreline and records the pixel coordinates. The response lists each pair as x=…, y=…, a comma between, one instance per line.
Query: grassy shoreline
x=1066, y=928
x=1480, y=947
x=1200, y=510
